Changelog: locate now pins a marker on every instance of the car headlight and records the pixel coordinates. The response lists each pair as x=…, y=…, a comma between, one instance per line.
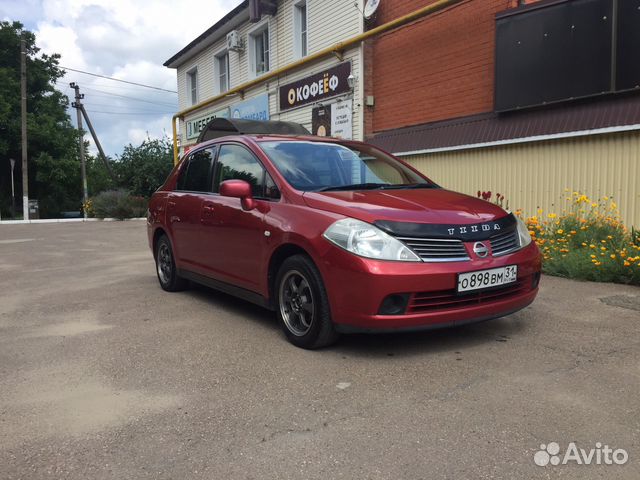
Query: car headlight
x=368, y=241
x=523, y=233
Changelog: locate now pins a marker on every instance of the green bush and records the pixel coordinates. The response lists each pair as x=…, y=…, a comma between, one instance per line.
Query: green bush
x=117, y=204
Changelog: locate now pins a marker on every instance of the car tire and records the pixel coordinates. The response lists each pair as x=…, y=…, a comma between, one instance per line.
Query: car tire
x=166, y=267
x=302, y=304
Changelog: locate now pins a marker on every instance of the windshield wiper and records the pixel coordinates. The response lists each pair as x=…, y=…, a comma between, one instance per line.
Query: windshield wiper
x=353, y=186
x=412, y=185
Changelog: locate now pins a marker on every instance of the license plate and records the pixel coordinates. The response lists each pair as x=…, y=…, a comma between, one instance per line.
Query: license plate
x=487, y=278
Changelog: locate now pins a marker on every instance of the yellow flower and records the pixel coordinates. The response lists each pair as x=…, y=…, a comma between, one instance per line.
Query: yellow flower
x=605, y=198
x=627, y=264
x=597, y=264
x=560, y=231
x=592, y=246
x=592, y=256
x=584, y=244
x=594, y=205
x=552, y=215
x=604, y=249
x=613, y=257
x=609, y=237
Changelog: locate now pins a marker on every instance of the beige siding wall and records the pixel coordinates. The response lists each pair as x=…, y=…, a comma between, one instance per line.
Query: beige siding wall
x=329, y=21
x=534, y=175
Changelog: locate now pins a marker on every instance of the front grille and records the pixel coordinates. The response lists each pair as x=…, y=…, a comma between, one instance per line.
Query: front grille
x=436, y=249
x=450, y=299
x=504, y=243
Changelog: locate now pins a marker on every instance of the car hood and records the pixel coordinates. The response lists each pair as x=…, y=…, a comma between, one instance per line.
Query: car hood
x=436, y=206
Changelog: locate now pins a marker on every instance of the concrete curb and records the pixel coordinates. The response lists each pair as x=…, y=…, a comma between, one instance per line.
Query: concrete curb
x=69, y=220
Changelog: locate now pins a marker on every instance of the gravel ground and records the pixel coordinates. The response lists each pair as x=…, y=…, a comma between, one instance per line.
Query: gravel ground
x=104, y=375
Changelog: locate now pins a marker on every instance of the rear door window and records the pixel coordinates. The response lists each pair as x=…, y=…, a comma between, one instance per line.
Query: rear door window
x=196, y=176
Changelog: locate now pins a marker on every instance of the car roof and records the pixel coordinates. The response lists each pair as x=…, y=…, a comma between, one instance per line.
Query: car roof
x=258, y=138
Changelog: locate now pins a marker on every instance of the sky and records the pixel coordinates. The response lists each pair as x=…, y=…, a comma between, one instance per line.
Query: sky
x=128, y=40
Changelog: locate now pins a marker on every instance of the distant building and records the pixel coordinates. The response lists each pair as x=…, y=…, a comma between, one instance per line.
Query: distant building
x=258, y=38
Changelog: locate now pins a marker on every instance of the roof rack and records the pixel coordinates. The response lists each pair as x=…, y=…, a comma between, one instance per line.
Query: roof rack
x=222, y=127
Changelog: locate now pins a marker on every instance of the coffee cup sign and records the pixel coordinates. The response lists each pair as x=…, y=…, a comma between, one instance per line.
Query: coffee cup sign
x=333, y=81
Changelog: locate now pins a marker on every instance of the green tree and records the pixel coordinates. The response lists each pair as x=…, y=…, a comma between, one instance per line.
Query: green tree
x=142, y=169
x=98, y=178
x=52, y=141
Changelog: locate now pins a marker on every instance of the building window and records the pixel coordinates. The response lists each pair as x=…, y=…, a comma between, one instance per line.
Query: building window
x=300, y=28
x=222, y=64
x=192, y=85
x=260, y=51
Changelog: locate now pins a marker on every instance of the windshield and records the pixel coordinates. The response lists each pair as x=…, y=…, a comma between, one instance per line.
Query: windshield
x=315, y=166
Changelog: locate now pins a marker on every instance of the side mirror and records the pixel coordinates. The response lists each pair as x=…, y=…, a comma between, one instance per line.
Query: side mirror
x=239, y=189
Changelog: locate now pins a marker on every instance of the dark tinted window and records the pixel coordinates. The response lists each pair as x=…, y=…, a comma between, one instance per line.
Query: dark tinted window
x=236, y=162
x=196, y=177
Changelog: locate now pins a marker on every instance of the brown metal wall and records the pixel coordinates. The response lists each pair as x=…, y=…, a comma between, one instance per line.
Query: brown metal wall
x=534, y=175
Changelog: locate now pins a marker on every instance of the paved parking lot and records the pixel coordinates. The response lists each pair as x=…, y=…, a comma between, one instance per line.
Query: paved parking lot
x=104, y=375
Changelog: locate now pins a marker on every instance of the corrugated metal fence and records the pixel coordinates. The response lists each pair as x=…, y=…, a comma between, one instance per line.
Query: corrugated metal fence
x=534, y=175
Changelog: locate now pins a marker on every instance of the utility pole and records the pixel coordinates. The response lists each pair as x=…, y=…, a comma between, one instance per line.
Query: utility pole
x=23, y=109
x=78, y=106
x=13, y=190
x=96, y=141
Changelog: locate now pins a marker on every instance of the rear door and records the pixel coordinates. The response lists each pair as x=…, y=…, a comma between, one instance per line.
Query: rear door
x=184, y=209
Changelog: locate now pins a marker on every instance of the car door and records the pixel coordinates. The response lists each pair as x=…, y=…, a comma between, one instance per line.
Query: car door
x=235, y=238
x=184, y=209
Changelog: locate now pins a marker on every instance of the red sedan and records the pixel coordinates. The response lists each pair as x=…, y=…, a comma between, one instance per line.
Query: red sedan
x=337, y=236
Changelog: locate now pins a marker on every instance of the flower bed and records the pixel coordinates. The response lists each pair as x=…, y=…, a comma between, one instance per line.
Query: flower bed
x=587, y=241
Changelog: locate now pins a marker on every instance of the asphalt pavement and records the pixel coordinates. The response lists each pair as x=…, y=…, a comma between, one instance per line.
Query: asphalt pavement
x=105, y=376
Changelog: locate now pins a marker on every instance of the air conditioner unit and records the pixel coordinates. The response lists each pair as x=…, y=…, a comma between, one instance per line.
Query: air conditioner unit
x=234, y=42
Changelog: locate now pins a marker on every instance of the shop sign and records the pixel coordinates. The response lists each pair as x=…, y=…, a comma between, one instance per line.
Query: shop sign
x=195, y=126
x=335, y=120
x=328, y=83
x=256, y=108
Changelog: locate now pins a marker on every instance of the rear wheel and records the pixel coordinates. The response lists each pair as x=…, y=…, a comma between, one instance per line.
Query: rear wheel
x=303, y=306
x=166, y=267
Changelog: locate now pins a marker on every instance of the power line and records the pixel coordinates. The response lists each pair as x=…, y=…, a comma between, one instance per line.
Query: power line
x=90, y=103
x=130, y=113
x=130, y=98
x=118, y=80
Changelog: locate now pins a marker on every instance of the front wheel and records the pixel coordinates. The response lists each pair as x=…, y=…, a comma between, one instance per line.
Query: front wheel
x=303, y=305
x=166, y=267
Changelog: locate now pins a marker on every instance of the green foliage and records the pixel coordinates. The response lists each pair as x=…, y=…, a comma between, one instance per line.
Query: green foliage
x=61, y=176
x=52, y=141
x=117, y=204
x=142, y=169
x=98, y=178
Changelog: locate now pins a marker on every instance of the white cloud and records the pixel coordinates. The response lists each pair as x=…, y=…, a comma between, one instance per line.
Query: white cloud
x=121, y=39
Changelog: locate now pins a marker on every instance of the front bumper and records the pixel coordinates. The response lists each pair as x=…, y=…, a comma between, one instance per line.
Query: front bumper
x=357, y=287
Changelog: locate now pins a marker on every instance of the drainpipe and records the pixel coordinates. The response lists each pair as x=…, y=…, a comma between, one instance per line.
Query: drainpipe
x=334, y=49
